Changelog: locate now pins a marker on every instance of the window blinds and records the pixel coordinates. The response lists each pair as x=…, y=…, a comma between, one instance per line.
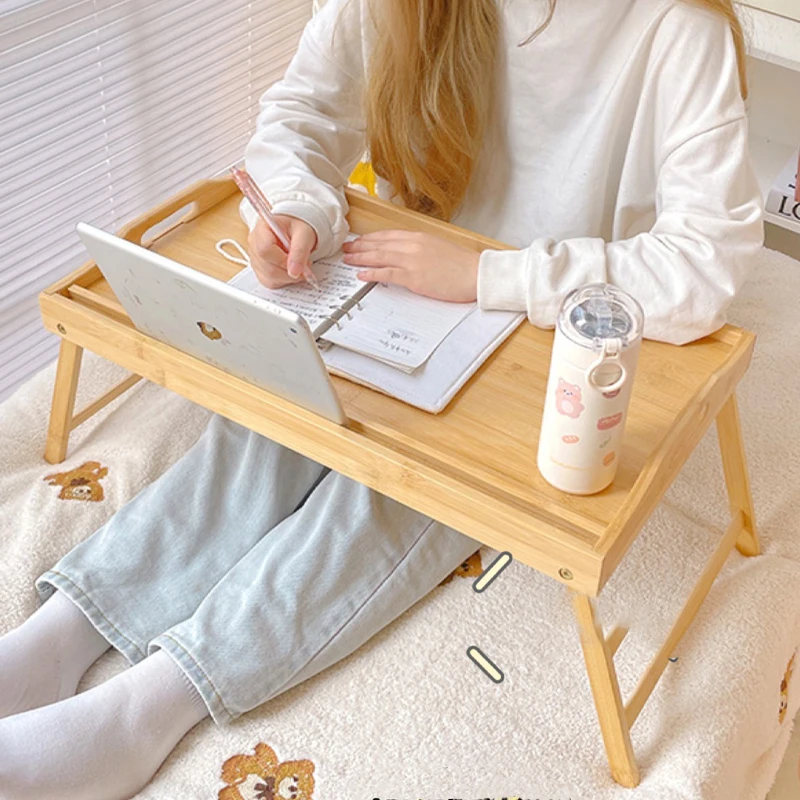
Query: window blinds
x=107, y=107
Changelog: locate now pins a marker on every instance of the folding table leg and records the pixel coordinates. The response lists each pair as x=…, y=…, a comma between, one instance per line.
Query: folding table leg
x=615, y=718
x=731, y=445
x=607, y=697
x=61, y=412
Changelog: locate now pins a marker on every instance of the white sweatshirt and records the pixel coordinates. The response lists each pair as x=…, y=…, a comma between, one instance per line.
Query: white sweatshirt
x=618, y=153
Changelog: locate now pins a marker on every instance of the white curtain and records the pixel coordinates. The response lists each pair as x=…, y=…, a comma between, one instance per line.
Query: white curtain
x=107, y=107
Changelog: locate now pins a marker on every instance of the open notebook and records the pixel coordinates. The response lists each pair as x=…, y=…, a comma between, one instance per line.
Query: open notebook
x=411, y=347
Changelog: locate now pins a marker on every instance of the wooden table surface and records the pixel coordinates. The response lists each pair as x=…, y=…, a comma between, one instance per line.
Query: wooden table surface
x=474, y=465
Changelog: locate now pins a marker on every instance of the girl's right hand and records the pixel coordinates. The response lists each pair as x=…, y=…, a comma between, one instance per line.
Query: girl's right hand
x=273, y=268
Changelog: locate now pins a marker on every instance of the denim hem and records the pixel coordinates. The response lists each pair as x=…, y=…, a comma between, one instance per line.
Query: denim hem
x=196, y=674
x=52, y=580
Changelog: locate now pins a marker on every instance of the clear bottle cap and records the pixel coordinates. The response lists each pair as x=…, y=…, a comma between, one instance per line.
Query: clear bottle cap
x=599, y=311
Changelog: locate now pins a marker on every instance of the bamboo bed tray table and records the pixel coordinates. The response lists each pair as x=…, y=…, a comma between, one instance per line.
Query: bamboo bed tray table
x=472, y=467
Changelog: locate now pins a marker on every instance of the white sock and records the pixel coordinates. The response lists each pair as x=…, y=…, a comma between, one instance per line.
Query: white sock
x=43, y=660
x=102, y=744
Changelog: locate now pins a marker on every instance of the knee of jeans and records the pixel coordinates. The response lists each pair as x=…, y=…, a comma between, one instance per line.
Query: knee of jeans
x=218, y=422
x=221, y=429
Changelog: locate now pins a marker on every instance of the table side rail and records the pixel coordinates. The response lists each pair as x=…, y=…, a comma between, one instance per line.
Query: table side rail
x=533, y=538
x=578, y=525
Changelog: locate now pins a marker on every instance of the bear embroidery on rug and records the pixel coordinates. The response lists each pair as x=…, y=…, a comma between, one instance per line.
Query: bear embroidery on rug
x=470, y=568
x=81, y=483
x=262, y=777
x=785, y=690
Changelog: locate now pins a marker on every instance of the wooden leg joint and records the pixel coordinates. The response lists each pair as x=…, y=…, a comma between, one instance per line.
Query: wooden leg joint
x=63, y=420
x=616, y=719
x=615, y=639
x=103, y=401
x=684, y=620
x=607, y=698
x=737, y=480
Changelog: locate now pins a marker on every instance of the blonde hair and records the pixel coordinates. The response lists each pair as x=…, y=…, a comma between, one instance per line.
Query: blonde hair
x=430, y=88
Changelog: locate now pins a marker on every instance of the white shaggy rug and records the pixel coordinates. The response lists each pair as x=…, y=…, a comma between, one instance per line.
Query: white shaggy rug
x=409, y=716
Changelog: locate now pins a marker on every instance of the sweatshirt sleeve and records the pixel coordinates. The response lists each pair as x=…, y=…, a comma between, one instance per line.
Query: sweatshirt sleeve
x=708, y=224
x=310, y=131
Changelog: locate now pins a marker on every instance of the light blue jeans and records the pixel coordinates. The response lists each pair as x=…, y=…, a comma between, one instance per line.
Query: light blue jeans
x=253, y=567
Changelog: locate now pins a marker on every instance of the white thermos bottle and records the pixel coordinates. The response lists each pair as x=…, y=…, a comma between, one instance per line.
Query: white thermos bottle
x=595, y=350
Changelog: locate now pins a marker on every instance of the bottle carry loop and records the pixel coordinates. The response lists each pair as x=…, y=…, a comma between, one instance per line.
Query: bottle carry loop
x=611, y=351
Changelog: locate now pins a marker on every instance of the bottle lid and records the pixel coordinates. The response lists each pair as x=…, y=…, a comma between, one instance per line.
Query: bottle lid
x=592, y=314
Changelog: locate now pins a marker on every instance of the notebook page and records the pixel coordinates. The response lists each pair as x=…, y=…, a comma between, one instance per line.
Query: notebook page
x=397, y=326
x=337, y=284
x=434, y=384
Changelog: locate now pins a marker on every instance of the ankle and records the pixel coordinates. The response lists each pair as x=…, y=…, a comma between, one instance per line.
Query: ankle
x=104, y=743
x=166, y=684
x=43, y=660
x=69, y=630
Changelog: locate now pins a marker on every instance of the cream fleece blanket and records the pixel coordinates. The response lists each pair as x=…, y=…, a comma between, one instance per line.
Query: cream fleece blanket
x=409, y=715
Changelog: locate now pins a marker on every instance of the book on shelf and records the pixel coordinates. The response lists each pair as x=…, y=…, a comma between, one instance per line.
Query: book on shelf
x=783, y=199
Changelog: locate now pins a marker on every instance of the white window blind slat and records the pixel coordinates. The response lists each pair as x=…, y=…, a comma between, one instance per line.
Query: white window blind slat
x=59, y=25
x=23, y=124
x=62, y=85
x=173, y=93
x=38, y=354
x=25, y=200
x=25, y=321
x=159, y=152
x=172, y=178
x=130, y=97
x=47, y=92
x=43, y=120
x=51, y=223
x=27, y=324
x=58, y=201
x=113, y=29
x=208, y=53
x=42, y=268
x=72, y=162
x=23, y=88
x=219, y=92
x=48, y=25
x=58, y=227
x=265, y=76
x=270, y=31
x=107, y=107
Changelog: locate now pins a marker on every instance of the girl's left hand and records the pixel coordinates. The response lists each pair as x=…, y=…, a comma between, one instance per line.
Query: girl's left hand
x=424, y=263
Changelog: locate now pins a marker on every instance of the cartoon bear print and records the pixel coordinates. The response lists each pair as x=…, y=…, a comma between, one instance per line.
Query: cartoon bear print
x=470, y=568
x=568, y=399
x=262, y=777
x=81, y=483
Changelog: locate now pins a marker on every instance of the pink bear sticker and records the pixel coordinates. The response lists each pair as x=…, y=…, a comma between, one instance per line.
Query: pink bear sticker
x=568, y=399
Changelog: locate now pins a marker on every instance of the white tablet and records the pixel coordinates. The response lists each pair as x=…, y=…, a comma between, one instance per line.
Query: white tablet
x=244, y=335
